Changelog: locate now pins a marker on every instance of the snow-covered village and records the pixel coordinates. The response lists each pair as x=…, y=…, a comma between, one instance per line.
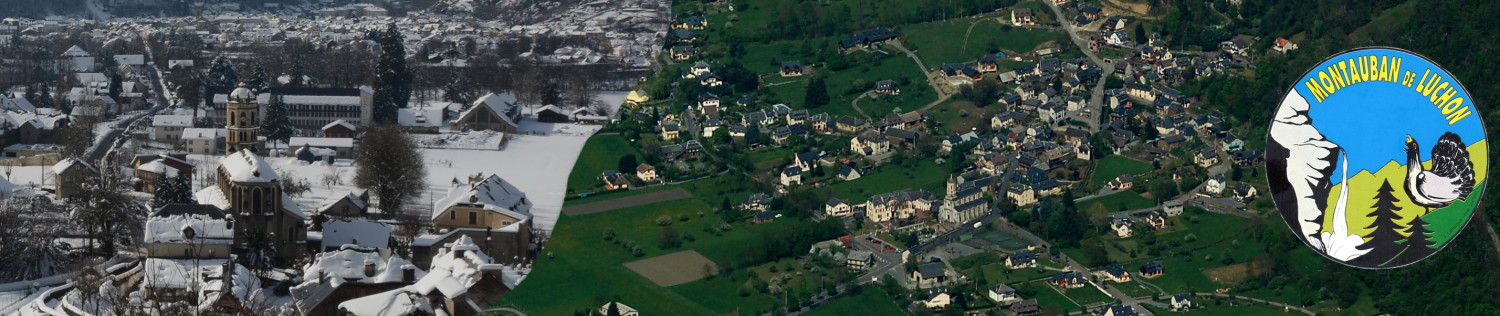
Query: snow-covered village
x=297, y=157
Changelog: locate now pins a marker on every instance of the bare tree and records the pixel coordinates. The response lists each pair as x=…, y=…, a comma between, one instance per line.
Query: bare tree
x=390, y=165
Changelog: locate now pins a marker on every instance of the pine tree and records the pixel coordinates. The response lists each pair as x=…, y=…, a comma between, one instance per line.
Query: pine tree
x=1418, y=243
x=1385, y=234
x=222, y=73
x=44, y=96
x=277, y=126
x=259, y=80
x=393, y=77
x=451, y=91
x=817, y=94
x=173, y=190
x=296, y=80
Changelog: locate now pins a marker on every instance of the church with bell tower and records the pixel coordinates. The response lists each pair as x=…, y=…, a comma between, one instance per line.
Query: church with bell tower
x=243, y=122
x=248, y=188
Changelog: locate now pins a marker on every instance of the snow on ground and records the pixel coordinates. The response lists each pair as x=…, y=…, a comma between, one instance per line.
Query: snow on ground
x=537, y=161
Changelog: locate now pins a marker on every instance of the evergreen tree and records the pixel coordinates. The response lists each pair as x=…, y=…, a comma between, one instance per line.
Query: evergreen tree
x=393, y=77
x=296, y=76
x=614, y=309
x=259, y=80
x=1418, y=244
x=451, y=91
x=1140, y=33
x=817, y=94
x=1385, y=233
x=627, y=163
x=114, y=86
x=552, y=93
x=277, y=126
x=174, y=190
x=222, y=73
x=44, y=96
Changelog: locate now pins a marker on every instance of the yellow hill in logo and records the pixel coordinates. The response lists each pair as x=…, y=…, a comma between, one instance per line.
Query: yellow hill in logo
x=1366, y=184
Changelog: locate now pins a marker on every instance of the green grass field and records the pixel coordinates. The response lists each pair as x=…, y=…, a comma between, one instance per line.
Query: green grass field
x=887, y=178
x=1128, y=200
x=913, y=95
x=579, y=267
x=1048, y=296
x=618, y=194
x=1113, y=166
x=604, y=154
x=868, y=302
x=943, y=42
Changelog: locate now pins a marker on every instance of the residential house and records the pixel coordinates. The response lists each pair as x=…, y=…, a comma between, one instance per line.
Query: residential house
x=870, y=144
x=836, y=207
x=1182, y=302
x=1118, y=310
x=152, y=168
x=340, y=129
x=1025, y=307
x=1172, y=208
x=1020, y=195
x=1151, y=269
x=614, y=180
x=929, y=275
x=461, y=275
x=764, y=217
x=350, y=205
x=646, y=173
x=901, y=204
x=859, y=260
x=1002, y=294
x=168, y=128
x=484, y=208
x=791, y=68
x=1117, y=273
x=204, y=141
x=1206, y=157
x=1068, y=280
x=340, y=234
x=1157, y=219
x=939, y=301
x=1022, y=259
x=1283, y=45
x=188, y=259
x=70, y=174
x=496, y=112
x=887, y=87
x=619, y=307
x=756, y=202
x=1022, y=17
x=670, y=131
x=1121, y=226
x=1215, y=184
x=847, y=173
x=806, y=160
x=1122, y=182
x=1244, y=192
x=849, y=124
x=791, y=175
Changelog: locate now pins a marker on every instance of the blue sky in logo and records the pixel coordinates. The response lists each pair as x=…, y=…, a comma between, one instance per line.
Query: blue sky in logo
x=1371, y=120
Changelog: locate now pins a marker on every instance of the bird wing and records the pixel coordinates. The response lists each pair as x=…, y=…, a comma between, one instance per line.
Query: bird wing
x=1450, y=161
x=1440, y=189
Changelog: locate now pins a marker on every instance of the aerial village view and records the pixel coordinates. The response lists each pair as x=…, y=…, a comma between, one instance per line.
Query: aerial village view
x=708, y=157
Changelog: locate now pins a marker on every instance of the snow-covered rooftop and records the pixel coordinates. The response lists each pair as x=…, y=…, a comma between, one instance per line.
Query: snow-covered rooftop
x=364, y=233
x=202, y=133
x=172, y=120
x=494, y=194
x=321, y=142
x=209, y=225
x=348, y=264
x=246, y=166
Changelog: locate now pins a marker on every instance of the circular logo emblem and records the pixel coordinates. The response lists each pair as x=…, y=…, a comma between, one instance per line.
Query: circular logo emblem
x=1377, y=158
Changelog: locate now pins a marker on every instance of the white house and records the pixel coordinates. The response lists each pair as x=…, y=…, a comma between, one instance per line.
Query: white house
x=1214, y=185
x=1182, y=302
x=836, y=207
x=1002, y=294
x=169, y=128
x=1121, y=226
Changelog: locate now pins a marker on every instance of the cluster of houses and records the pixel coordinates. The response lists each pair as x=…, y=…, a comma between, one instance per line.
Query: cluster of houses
x=482, y=232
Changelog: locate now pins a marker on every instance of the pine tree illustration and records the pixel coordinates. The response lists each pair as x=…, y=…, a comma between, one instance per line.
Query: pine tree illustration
x=1386, y=233
x=1418, y=243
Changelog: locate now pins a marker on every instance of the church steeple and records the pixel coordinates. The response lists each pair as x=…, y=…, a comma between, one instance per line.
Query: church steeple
x=243, y=125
